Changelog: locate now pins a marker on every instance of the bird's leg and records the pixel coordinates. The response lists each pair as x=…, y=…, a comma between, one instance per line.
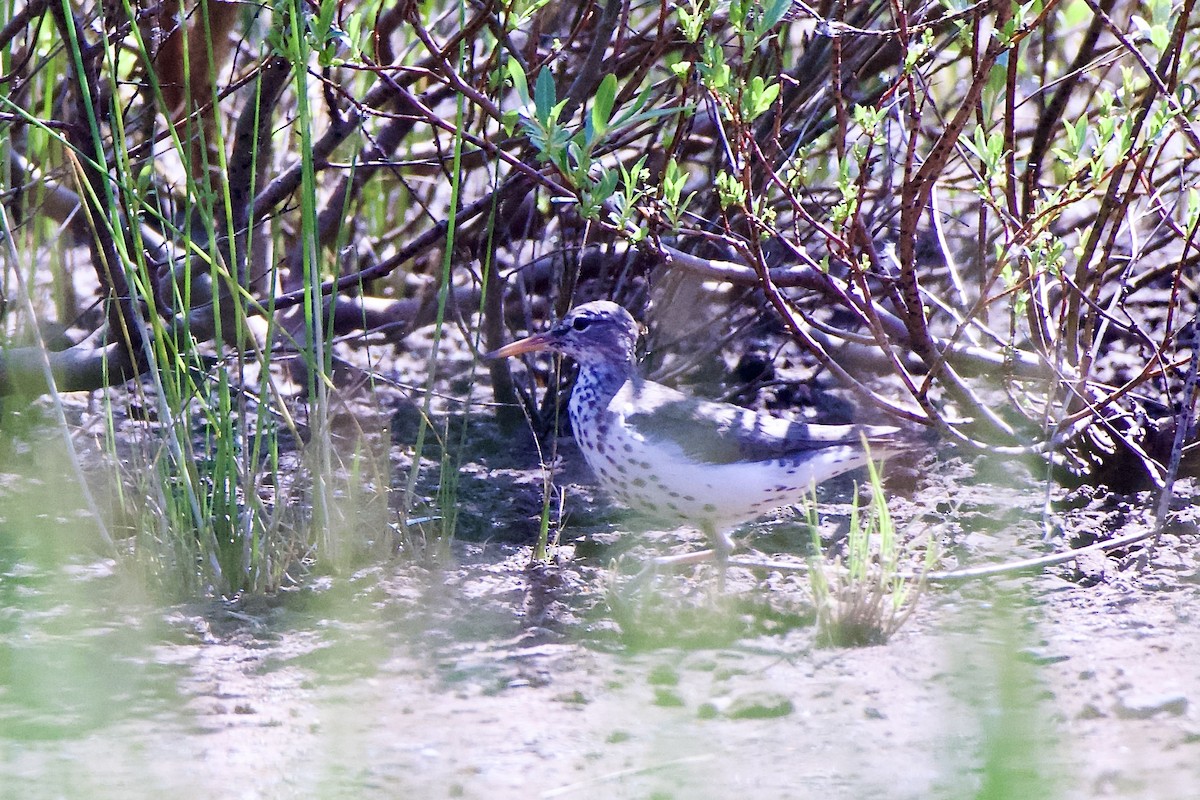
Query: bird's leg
x=719, y=554
x=655, y=564
x=722, y=547
x=723, y=544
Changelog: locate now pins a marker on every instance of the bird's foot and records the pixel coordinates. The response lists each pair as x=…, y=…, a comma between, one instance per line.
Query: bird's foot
x=651, y=568
x=698, y=557
x=718, y=554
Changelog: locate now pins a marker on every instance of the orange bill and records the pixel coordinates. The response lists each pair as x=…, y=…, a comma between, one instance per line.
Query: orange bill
x=530, y=344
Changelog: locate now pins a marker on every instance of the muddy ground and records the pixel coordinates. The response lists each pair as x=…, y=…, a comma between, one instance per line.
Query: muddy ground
x=457, y=669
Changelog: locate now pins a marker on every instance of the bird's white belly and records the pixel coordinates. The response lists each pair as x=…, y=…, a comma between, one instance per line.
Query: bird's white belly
x=664, y=482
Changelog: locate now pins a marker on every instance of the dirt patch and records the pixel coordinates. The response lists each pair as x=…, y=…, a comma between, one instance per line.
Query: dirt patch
x=453, y=668
x=482, y=677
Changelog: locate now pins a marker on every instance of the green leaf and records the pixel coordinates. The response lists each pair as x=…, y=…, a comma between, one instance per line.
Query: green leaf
x=543, y=97
x=509, y=121
x=633, y=113
x=1081, y=132
x=602, y=104
x=607, y=183
x=517, y=75
x=673, y=181
x=774, y=11
x=1160, y=37
x=757, y=98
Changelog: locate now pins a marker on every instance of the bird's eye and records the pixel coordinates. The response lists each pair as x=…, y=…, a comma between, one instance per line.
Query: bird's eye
x=581, y=323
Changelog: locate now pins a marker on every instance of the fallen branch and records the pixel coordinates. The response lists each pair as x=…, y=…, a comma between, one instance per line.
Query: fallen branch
x=973, y=360
x=1035, y=564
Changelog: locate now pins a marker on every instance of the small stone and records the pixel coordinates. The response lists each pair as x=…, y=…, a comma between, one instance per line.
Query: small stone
x=1147, y=706
x=576, y=697
x=760, y=705
x=1039, y=657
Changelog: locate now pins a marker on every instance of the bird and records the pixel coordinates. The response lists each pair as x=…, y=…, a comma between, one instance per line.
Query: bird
x=680, y=459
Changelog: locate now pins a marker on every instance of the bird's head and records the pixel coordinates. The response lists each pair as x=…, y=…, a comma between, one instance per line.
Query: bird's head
x=595, y=333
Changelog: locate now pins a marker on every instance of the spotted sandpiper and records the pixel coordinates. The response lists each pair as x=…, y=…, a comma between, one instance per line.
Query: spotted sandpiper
x=675, y=458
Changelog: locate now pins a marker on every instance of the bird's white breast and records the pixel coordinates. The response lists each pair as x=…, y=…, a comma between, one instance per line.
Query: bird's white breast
x=656, y=477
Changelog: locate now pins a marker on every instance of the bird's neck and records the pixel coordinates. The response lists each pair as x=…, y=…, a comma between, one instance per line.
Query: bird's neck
x=598, y=382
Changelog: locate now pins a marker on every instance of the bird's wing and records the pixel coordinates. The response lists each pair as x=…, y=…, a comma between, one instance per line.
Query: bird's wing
x=720, y=433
